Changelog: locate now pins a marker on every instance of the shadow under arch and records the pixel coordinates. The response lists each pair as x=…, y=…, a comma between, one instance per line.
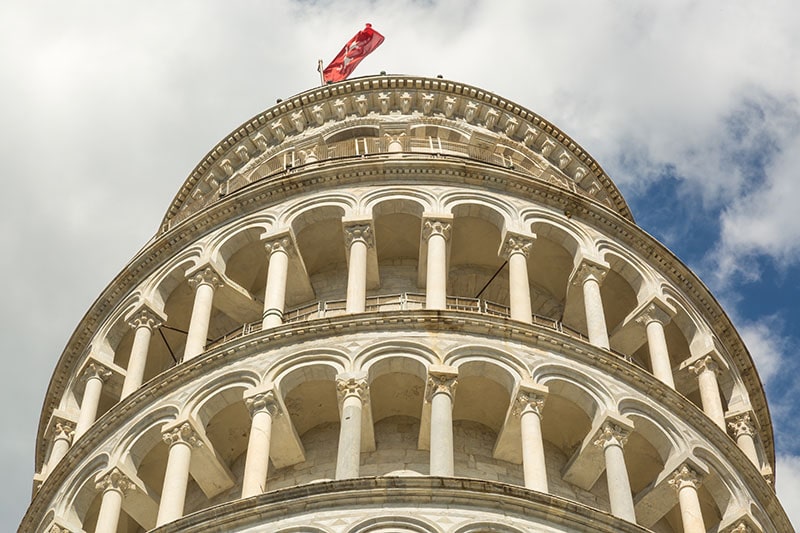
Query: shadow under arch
x=719, y=489
x=395, y=524
x=220, y=393
x=81, y=494
x=236, y=236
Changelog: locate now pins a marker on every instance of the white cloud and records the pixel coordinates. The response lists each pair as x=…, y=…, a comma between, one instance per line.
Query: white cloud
x=106, y=111
x=766, y=344
x=787, y=484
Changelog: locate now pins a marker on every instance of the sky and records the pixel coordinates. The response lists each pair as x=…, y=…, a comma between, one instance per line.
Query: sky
x=692, y=108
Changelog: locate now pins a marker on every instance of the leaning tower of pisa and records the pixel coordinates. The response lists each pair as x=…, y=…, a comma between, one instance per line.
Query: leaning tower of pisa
x=403, y=304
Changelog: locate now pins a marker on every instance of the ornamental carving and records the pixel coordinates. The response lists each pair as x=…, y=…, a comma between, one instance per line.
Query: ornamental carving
x=207, y=276
x=145, y=318
x=183, y=434
x=471, y=112
x=436, y=227
x=299, y=121
x=611, y=434
x=96, y=371
x=441, y=383
x=405, y=103
x=358, y=233
x=589, y=270
x=264, y=402
x=652, y=313
x=511, y=127
x=340, y=108
x=427, y=103
x=547, y=147
x=684, y=476
x=282, y=243
x=742, y=527
x=361, y=105
x=243, y=154
x=384, y=99
x=64, y=430
x=318, y=112
x=491, y=119
x=528, y=402
x=115, y=480
x=531, y=134
x=564, y=159
x=742, y=425
x=704, y=364
x=227, y=167
x=352, y=386
x=516, y=243
x=260, y=142
x=450, y=104
x=277, y=130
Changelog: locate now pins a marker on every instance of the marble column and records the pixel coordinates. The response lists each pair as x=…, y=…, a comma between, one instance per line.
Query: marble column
x=440, y=393
x=181, y=440
x=264, y=407
x=685, y=481
x=528, y=406
x=143, y=321
x=352, y=391
x=744, y=432
x=94, y=375
x=706, y=370
x=590, y=275
x=515, y=249
x=653, y=318
x=611, y=439
x=436, y=232
x=63, y=433
x=358, y=239
x=204, y=282
x=278, y=248
x=113, y=485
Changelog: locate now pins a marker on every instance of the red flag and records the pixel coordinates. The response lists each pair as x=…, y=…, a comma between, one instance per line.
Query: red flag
x=351, y=55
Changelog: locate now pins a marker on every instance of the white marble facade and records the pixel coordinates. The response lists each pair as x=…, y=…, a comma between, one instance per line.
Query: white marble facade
x=403, y=304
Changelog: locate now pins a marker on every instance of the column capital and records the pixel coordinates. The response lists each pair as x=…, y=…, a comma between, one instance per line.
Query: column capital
x=95, y=370
x=611, y=434
x=656, y=310
x=588, y=269
x=181, y=433
x=350, y=385
x=704, y=364
x=64, y=430
x=145, y=317
x=263, y=401
x=741, y=527
x=437, y=226
x=205, y=276
x=684, y=476
x=441, y=379
x=742, y=424
x=279, y=242
x=528, y=402
x=358, y=231
x=516, y=243
x=114, y=480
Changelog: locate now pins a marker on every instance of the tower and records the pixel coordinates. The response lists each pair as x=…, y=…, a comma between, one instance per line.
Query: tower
x=401, y=304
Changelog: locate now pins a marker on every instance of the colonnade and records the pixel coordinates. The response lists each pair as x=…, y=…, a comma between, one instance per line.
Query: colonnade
x=353, y=395
x=359, y=238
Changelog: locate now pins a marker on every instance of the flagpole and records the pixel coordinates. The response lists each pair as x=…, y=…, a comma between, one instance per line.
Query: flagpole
x=319, y=69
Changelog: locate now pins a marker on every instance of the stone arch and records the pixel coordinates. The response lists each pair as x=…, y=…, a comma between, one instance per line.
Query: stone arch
x=308, y=388
x=80, y=494
x=487, y=527
x=502, y=366
x=586, y=392
x=484, y=391
x=220, y=394
x=566, y=233
x=373, y=355
x=495, y=211
x=359, y=128
x=718, y=489
x=143, y=436
x=395, y=524
x=115, y=328
x=639, y=276
x=451, y=129
x=309, y=211
x=238, y=235
x=160, y=286
x=397, y=199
